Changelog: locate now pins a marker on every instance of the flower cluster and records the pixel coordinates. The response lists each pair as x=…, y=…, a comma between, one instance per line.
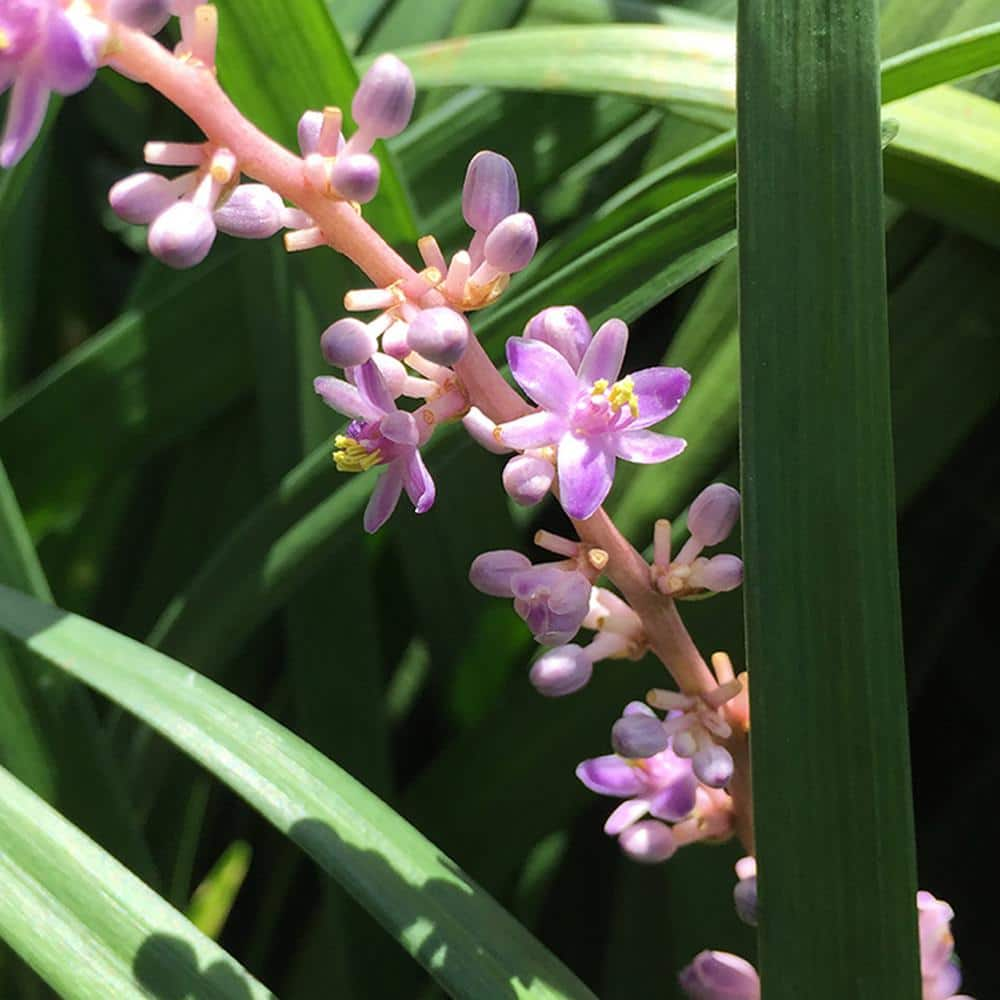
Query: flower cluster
x=717, y=975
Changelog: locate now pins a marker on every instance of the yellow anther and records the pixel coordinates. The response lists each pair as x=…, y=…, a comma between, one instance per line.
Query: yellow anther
x=599, y=388
x=623, y=394
x=5, y=42
x=351, y=456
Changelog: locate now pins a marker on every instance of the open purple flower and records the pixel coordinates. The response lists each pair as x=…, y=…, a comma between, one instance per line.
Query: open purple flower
x=589, y=415
x=42, y=49
x=379, y=434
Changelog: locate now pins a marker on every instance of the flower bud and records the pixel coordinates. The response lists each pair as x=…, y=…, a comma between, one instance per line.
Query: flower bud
x=713, y=513
x=146, y=15
x=490, y=572
x=439, y=334
x=527, y=479
x=713, y=766
x=648, y=841
x=721, y=976
x=638, y=736
x=393, y=373
x=139, y=199
x=552, y=600
x=719, y=574
x=512, y=243
x=745, y=900
x=684, y=743
x=563, y=327
x=309, y=128
x=182, y=235
x=561, y=671
x=383, y=101
x=489, y=193
x=252, y=212
x=355, y=176
x=347, y=342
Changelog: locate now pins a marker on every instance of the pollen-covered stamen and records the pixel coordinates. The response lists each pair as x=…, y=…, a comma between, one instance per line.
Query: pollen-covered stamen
x=351, y=455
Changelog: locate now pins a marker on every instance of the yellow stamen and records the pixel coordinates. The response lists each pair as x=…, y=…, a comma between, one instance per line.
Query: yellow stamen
x=5, y=42
x=351, y=456
x=623, y=394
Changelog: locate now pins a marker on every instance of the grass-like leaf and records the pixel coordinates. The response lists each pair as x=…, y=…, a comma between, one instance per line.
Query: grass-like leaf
x=88, y=926
x=833, y=815
x=465, y=940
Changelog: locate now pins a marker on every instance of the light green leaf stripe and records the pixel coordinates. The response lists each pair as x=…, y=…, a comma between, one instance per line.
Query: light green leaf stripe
x=471, y=945
x=88, y=926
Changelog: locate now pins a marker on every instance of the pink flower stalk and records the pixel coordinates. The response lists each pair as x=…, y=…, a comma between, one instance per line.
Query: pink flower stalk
x=379, y=434
x=43, y=48
x=589, y=416
x=660, y=785
x=711, y=518
x=552, y=598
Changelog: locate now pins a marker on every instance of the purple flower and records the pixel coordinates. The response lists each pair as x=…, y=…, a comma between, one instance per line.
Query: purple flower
x=938, y=966
x=42, y=49
x=379, y=434
x=552, y=598
x=589, y=415
x=717, y=975
x=662, y=786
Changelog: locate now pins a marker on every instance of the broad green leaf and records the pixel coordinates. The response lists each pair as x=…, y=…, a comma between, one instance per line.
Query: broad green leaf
x=678, y=65
x=473, y=16
x=464, y=939
x=276, y=60
x=88, y=926
x=603, y=11
x=819, y=522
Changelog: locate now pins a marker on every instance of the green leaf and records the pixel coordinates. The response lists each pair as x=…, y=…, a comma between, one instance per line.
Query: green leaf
x=88, y=926
x=833, y=816
x=216, y=893
x=276, y=60
x=450, y=925
x=940, y=62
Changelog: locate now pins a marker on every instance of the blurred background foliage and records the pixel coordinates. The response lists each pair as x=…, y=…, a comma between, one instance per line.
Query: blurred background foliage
x=170, y=460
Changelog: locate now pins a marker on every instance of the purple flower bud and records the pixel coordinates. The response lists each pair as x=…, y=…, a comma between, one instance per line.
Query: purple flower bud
x=355, y=176
x=182, y=235
x=563, y=327
x=717, y=975
x=384, y=99
x=309, y=128
x=713, y=513
x=439, y=334
x=713, y=766
x=139, y=199
x=490, y=572
x=720, y=573
x=527, y=479
x=648, y=841
x=347, y=343
x=745, y=899
x=561, y=671
x=489, y=193
x=512, y=243
x=146, y=15
x=252, y=212
x=553, y=602
x=637, y=736
x=638, y=708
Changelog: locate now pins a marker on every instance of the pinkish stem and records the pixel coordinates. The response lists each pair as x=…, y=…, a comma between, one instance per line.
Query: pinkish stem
x=194, y=89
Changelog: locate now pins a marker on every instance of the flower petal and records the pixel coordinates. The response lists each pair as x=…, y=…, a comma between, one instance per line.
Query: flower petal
x=401, y=428
x=603, y=358
x=660, y=391
x=344, y=398
x=384, y=498
x=536, y=430
x=418, y=482
x=586, y=470
x=610, y=775
x=25, y=114
x=647, y=447
x=68, y=62
x=371, y=382
x=630, y=811
x=543, y=373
